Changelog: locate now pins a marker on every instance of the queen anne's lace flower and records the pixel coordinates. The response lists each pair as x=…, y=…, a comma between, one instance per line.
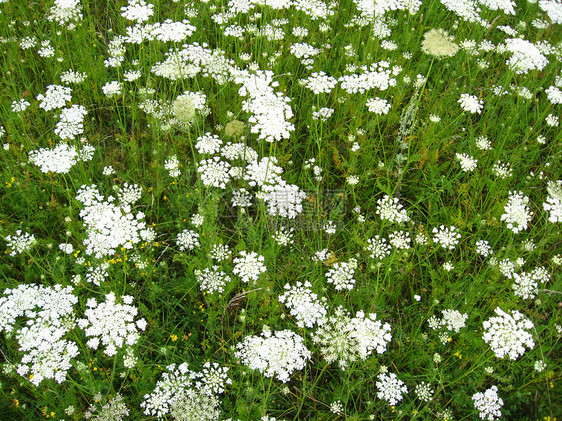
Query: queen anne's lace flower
x=111, y=323
x=20, y=242
x=438, y=43
x=517, y=214
x=208, y=144
x=188, y=240
x=212, y=280
x=263, y=172
x=488, y=403
x=390, y=388
x=249, y=266
x=508, y=334
x=468, y=163
x=71, y=122
x=110, y=225
x=178, y=383
x=341, y=274
x=283, y=199
x=378, y=106
x=277, y=354
x=390, y=209
x=471, y=103
x=453, y=320
x=526, y=56
x=553, y=203
x=137, y=10
x=345, y=339
x=447, y=237
x=525, y=285
x=319, y=82
x=60, y=159
x=303, y=304
x=55, y=97
x=378, y=247
x=48, y=310
x=214, y=172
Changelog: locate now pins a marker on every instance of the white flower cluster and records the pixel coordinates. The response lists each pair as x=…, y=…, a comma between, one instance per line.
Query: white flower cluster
x=390, y=388
x=61, y=158
x=270, y=110
x=20, y=242
x=453, y=320
x=322, y=114
x=304, y=305
x=376, y=76
x=249, y=266
x=525, y=285
x=553, y=203
x=554, y=95
x=283, y=236
x=482, y=247
x=48, y=312
x=447, y=237
x=170, y=30
x=526, y=56
x=399, y=240
x=65, y=12
x=378, y=106
x=303, y=50
x=208, y=144
x=195, y=405
x=233, y=151
x=71, y=120
x=214, y=172
x=191, y=60
x=517, y=214
x=283, y=199
x=188, y=240
x=55, y=97
x=277, y=354
x=263, y=172
x=341, y=274
x=20, y=105
x=488, y=403
x=112, y=88
x=468, y=163
x=390, y=209
x=508, y=334
x=71, y=76
x=109, y=225
x=220, y=252
x=212, y=280
x=113, y=410
x=173, y=166
x=97, y=274
x=137, y=10
x=345, y=339
x=46, y=50
x=506, y=5
x=111, y=323
x=319, y=82
x=471, y=103
x=178, y=383
x=465, y=9
x=553, y=9
x=424, y=392
x=378, y=247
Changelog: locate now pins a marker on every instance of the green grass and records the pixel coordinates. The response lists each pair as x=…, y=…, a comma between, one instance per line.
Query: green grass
x=403, y=154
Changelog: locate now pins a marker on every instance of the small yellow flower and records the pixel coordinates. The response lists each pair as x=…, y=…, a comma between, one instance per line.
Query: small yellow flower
x=174, y=337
